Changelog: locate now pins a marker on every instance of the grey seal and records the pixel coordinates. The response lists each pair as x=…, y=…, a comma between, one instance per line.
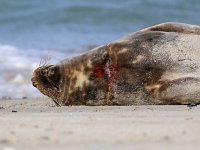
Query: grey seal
x=154, y=66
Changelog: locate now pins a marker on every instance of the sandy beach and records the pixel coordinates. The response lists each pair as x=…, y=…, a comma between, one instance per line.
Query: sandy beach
x=38, y=124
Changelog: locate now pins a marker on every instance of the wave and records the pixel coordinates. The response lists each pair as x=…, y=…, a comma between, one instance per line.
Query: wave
x=16, y=69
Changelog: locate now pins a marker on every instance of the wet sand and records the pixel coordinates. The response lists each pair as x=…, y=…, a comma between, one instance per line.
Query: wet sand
x=38, y=124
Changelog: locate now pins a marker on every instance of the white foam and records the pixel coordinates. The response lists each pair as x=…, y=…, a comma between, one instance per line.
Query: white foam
x=18, y=79
x=16, y=70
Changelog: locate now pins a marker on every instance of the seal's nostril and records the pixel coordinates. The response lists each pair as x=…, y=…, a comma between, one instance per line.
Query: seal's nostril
x=34, y=84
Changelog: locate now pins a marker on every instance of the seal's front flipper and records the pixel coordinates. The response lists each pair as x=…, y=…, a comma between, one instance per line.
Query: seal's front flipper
x=175, y=27
x=178, y=91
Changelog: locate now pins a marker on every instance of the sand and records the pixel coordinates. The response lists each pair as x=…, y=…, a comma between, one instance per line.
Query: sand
x=38, y=124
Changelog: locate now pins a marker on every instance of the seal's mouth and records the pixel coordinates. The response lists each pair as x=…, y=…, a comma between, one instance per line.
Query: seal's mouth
x=34, y=83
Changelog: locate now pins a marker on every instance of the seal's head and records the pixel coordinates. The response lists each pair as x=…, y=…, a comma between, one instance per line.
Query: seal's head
x=47, y=80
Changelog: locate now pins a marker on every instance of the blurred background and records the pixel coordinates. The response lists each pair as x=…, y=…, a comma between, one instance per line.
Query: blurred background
x=32, y=29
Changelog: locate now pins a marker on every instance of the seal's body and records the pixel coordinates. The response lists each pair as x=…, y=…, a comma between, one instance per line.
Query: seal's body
x=157, y=65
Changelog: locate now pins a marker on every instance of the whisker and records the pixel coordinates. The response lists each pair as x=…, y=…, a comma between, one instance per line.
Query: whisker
x=45, y=59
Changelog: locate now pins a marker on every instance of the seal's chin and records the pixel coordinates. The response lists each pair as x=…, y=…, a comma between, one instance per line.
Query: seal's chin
x=47, y=80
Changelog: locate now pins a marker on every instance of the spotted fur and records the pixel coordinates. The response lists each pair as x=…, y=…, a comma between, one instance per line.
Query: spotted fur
x=156, y=65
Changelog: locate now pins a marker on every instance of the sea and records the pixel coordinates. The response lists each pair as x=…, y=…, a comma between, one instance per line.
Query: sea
x=33, y=30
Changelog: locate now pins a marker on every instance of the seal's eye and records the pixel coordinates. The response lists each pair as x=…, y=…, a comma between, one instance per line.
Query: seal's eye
x=52, y=75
